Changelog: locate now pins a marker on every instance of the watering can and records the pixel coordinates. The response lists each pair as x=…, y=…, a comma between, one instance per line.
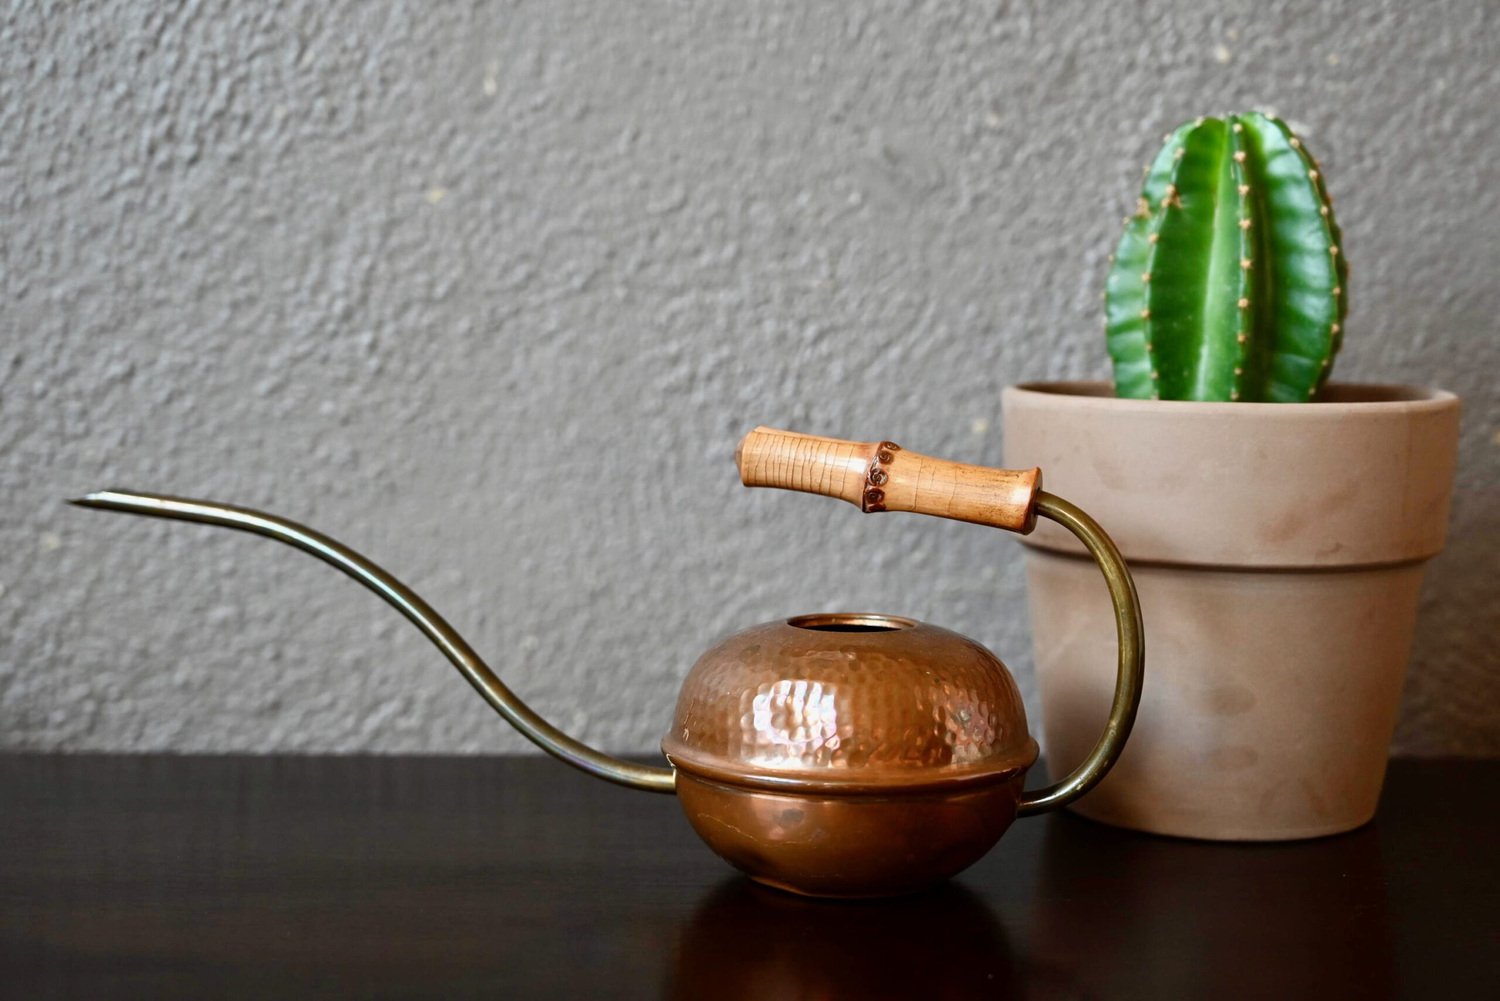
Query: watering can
x=832, y=754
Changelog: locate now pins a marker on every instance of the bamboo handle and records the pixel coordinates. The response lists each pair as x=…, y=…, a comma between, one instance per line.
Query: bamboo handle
x=882, y=476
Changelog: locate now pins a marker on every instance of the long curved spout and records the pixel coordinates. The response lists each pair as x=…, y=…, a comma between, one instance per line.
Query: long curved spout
x=405, y=600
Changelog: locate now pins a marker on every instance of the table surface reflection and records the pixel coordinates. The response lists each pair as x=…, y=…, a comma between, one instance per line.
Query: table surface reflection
x=162, y=876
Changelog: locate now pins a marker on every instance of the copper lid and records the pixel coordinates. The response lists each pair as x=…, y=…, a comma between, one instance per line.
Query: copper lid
x=850, y=702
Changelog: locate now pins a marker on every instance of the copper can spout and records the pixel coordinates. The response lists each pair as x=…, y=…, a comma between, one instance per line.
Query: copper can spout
x=408, y=603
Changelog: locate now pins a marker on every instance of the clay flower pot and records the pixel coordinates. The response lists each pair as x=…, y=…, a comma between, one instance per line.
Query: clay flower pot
x=1278, y=550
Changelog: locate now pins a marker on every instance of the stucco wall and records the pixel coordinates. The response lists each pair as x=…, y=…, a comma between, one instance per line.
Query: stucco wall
x=491, y=290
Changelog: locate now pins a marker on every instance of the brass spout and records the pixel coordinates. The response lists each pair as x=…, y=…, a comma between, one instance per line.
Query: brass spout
x=408, y=603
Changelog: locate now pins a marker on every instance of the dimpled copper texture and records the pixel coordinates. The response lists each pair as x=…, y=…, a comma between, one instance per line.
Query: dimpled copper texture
x=849, y=755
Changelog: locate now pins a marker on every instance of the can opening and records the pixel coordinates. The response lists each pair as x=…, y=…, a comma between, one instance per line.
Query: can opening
x=850, y=622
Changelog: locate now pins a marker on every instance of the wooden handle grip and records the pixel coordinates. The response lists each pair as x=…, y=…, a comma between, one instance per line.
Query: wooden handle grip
x=883, y=476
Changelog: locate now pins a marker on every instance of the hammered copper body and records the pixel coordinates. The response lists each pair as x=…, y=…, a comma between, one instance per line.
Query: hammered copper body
x=849, y=755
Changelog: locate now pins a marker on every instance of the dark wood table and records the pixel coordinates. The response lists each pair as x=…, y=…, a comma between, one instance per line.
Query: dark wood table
x=285, y=877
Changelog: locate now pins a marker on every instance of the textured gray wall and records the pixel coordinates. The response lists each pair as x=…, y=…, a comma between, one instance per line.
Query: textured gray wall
x=490, y=291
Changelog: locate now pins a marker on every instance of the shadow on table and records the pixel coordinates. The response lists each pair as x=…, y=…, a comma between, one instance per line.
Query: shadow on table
x=747, y=941
x=1167, y=917
x=1111, y=914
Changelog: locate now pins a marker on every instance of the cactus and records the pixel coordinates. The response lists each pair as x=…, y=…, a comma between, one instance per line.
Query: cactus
x=1229, y=280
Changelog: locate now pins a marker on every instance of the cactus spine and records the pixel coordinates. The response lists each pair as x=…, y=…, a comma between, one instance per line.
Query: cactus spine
x=1229, y=280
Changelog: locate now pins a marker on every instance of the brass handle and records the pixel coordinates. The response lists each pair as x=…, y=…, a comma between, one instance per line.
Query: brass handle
x=882, y=476
x=1132, y=669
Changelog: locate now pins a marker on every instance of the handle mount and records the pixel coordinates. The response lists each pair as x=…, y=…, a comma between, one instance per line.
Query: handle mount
x=1130, y=674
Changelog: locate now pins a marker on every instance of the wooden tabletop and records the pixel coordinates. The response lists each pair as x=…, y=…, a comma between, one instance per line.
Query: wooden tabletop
x=288, y=877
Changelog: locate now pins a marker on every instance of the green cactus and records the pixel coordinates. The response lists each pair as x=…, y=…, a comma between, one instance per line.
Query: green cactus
x=1229, y=282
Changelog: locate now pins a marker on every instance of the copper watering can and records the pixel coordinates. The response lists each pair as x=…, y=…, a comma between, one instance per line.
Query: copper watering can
x=840, y=755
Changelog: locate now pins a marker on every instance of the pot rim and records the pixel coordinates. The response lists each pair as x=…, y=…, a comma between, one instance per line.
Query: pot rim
x=1340, y=400
x=1363, y=481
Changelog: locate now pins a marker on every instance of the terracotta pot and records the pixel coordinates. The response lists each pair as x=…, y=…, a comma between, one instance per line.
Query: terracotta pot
x=1278, y=550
